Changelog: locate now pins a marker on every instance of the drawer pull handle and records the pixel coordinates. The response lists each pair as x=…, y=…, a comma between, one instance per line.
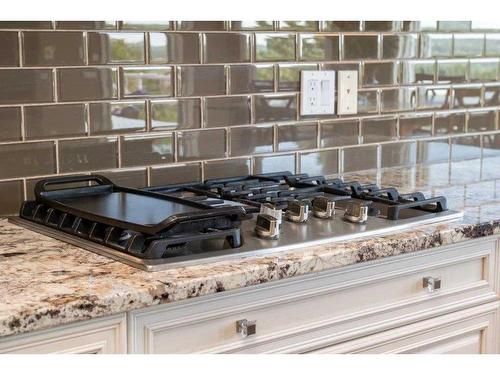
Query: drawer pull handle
x=246, y=327
x=432, y=283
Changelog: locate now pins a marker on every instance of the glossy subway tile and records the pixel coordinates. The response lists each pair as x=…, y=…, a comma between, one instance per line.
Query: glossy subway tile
x=146, y=150
x=360, y=47
x=380, y=74
x=398, y=154
x=251, y=140
x=27, y=159
x=147, y=81
x=227, y=111
x=492, y=45
x=418, y=72
x=51, y=48
x=170, y=114
x=26, y=86
x=359, y=158
x=319, y=162
x=226, y=47
x=454, y=25
x=343, y=26
x=274, y=47
x=201, y=80
x=76, y=84
x=368, y=101
x=483, y=70
x=255, y=78
x=339, y=133
x=298, y=25
x=398, y=100
x=289, y=75
x=53, y=121
x=174, y=48
x=379, y=129
x=115, y=47
x=452, y=71
x=26, y=25
x=465, y=147
x=117, y=117
x=480, y=121
x=274, y=163
x=88, y=154
x=227, y=168
x=86, y=25
x=201, y=25
x=492, y=95
x=449, y=123
x=134, y=178
x=297, y=136
x=433, y=151
x=11, y=197
x=201, y=144
x=314, y=47
x=436, y=45
x=270, y=108
x=252, y=25
x=433, y=97
x=415, y=126
x=468, y=45
x=10, y=120
x=400, y=46
x=9, y=51
x=383, y=25
x=146, y=25
x=175, y=174
x=466, y=96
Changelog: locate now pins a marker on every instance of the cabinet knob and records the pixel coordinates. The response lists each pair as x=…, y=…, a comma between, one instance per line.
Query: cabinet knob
x=432, y=283
x=246, y=327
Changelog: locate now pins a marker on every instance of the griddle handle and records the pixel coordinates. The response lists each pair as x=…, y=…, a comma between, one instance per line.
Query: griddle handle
x=41, y=186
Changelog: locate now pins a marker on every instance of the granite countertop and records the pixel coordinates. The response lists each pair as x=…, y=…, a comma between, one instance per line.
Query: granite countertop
x=46, y=282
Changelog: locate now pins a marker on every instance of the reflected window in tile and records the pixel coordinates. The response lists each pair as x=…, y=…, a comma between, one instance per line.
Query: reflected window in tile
x=482, y=70
x=452, y=71
x=201, y=80
x=492, y=45
x=341, y=26
x=433, y=151
x=419, y=71
x=401, y=154
x=270, y=108
x=436, y=45
x=174, y=48
x=359, y=158
x=379, y=129
x=297, y=136
x=227, y=111
x=201, y=25
x=87, y=84
x=380, y=74
x=86, y=25
x=10, y=120
x=433, y=97
x=109, y=48
x=175, y=174
x=251, y=140
x=133, y=178
x=360, y=47
x=146, y=25
x=449, y=123
x=140, y=81
x=315, y=47
x=9, y=51
x=320, y=163
x=201, y=144
x=339, y=133
x=25, y=86
x=454, y=25
x=173, y=114
x=298, y=25
x=289, y=75
x=466, y=147
x=54, y=121
x=25, y=24
x=11, y=197
x=274, y=47
x=396, y=100
x=400, y=46
x=415, y=126
x=367, y=101
x=246, y=79
x=27, y=159
x=252, y=25
x=467, y=96
x=485, y=25
x=468, y=45
x=383, y=25
x=482, y=121
x=227, y=168
x=146, y=150
x=491, y=146
x=90, y=154
x=276, y=163
x=226, y=47
x=107, y=118
x=492, y=95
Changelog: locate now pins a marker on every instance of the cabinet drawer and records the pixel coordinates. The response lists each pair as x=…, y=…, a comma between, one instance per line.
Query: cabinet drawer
x=292, y=315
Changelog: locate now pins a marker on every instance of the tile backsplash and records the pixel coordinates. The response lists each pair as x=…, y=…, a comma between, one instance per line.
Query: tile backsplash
x=150, y=103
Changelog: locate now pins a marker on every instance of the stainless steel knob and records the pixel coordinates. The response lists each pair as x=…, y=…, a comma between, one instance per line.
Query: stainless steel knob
x=323, y=207
x=269, y=209
x=297, y=211
x=267, y=227
x=356, y=212
x=246, y=327
x=432, y=283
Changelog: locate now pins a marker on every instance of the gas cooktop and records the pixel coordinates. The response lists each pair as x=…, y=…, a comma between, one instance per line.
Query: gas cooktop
x=177, y=225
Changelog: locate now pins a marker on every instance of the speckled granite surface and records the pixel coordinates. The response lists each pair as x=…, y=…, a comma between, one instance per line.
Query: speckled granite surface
x=45, y=282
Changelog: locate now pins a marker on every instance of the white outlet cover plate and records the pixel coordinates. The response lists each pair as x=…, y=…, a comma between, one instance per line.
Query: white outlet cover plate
x=317, y=92
x=347, y=92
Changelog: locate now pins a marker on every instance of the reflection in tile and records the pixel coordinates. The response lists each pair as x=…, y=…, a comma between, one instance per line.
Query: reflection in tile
x=201, y=144
x=436, y=45
x=146, y=25
x=54, y=121
x=482, y=121
x=419, y=71
x=466, y=96
x=433, y=97
x=419, y=25
x=360, y=47
x=359, y=158
x=383, y=25
x=252, y=25
x=146, y=150
x=176, y=48
x=481, y=70
x=133, y=178
x=320, y=163
x=454, y=25
x=87, y=84
x=465, y=147
x=201, y=80
x=449, y=123
x=27, y=159
x=201, y=25
x=468, y=45
x=10, y=120
x=379, y=129
x=491, y=146
x=251, y=140
x=85, y=25
x=175, y=174
x=90, y=154
x=42, y=48
x=367, y=101
x=298, y=25
x=341, y=26
x=109, y=48
x=398, y=154
x=492, y=45
x=452, y=71
x=25, y=24
x=378, y=74
x=175, y=114
x=245, y=79
x=297, y=136
x=315, y=47
x=107, y=118
x=9, y=53
x=289, y=75
x=227, y=111
x=275, y=163
x=270, y=108
x=339, y=133
x=274, y=47
x=492, y=95
x=404, y=46
x=227, y=168
x=226, y=47
x=11, y=197
x=433, y=151
x=415, y=126
x=490, y=170
x=401, y=99
x=25, y=86
x=139, y=81
x=485, y=25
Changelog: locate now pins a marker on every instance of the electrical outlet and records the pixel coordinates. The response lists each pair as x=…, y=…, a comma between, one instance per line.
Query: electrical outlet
x=317, y=94
x=348, y=92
